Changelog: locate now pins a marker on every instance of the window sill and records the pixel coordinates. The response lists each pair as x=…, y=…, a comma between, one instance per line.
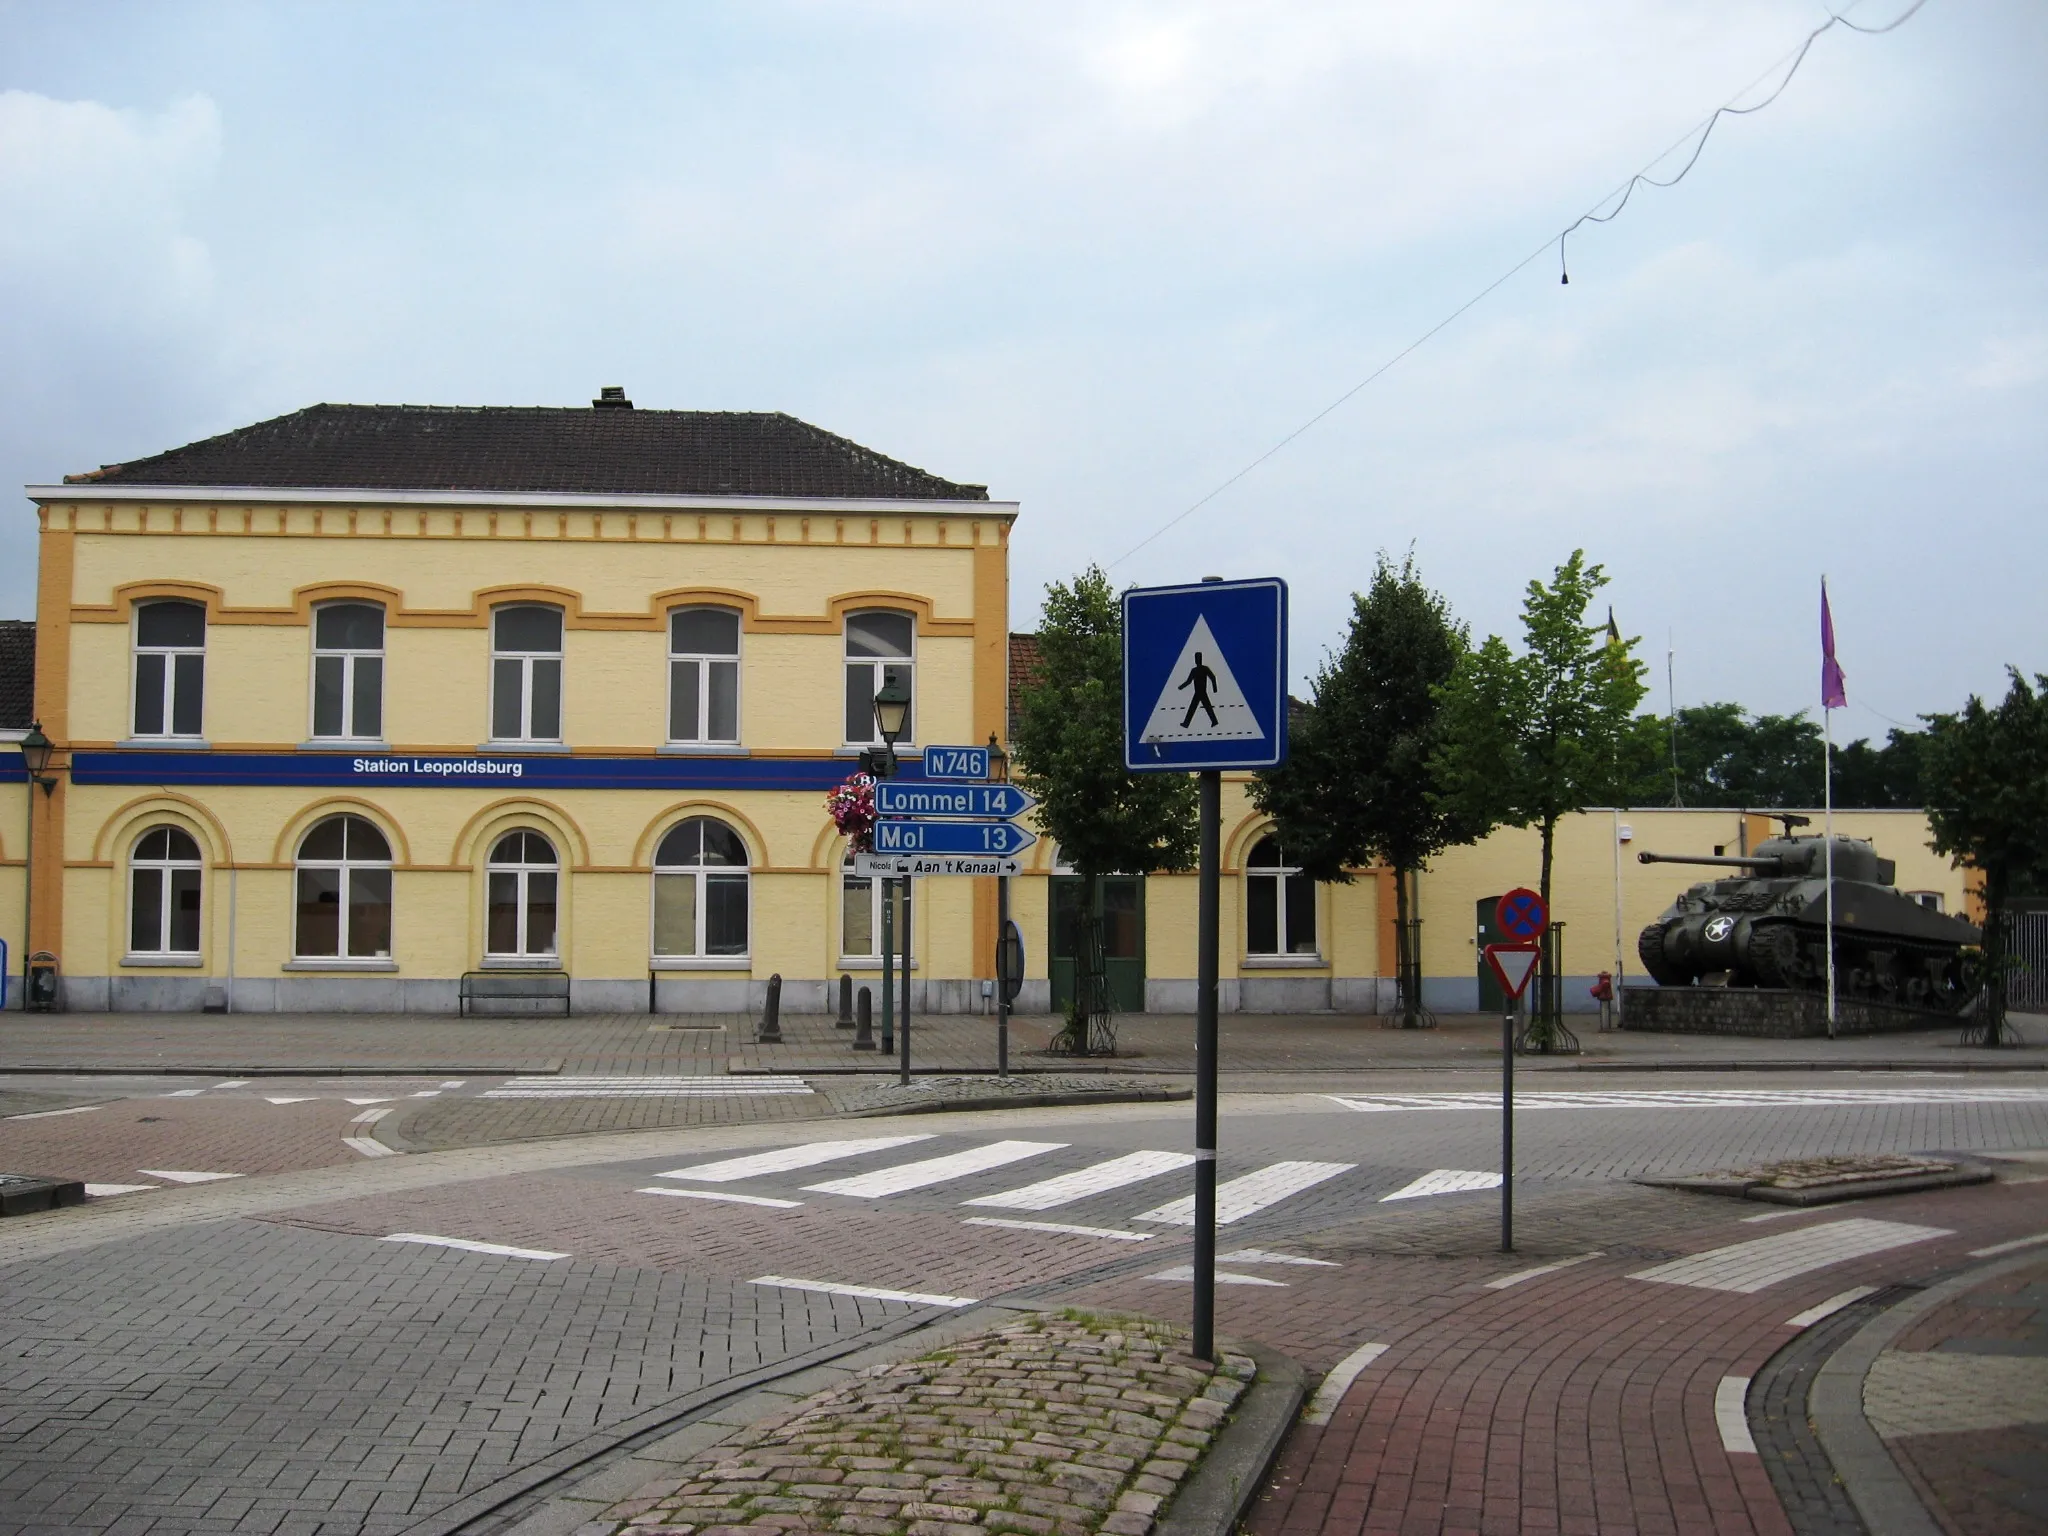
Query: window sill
x=871, y=963
x=184, y=962
x=342, y=963
x=520, y=963
x=344, y=744
x=701, y=963
x=558, y=748
x=164, y=743
x=701, y=749
x=1284, y=963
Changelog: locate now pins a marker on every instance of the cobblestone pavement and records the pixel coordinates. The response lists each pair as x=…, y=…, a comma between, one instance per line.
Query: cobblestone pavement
x=1052, y=1426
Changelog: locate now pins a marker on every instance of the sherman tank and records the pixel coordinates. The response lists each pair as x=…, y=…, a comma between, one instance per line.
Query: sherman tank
x=1767, y=927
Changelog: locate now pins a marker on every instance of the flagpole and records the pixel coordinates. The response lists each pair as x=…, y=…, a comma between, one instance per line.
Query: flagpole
x=1827, y=781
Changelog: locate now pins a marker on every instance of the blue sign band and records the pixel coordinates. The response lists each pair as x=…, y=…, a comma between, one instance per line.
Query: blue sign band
x=400, y=770
x=999, y=801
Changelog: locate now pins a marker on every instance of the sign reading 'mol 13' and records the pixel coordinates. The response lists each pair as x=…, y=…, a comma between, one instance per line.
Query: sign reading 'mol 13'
x=404, y=770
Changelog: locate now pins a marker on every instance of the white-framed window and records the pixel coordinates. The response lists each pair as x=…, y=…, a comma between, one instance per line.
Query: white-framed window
x=1931, y=900
x=343, y=878
x=880, y=649
x=170, y=668
x=348, y=672
x=700, y=891
x=164, y=883
x=521, y=898
x=1280, y=903
x=526, y=673
x=704, y=675
x=860, y=915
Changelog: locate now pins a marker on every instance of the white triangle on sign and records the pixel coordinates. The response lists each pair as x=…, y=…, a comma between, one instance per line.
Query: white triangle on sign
x=1198, y=707
x=1511, y=965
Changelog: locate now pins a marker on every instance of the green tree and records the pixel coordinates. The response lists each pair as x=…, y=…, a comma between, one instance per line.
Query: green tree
x=1528, y=739
x=1068, y=743
x=1985, y=774
x=1358, y=782
x=1879, y=777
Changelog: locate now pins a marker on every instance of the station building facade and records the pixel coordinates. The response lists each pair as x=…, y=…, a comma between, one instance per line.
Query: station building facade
x=355, y=702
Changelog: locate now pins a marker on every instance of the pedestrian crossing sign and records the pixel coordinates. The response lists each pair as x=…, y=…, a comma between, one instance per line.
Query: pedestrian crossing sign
x=1205, y=676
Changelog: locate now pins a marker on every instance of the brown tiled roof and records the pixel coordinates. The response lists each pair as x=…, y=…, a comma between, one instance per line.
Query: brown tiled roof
x=1024, y=663
x=17, y=673
x=596, y=451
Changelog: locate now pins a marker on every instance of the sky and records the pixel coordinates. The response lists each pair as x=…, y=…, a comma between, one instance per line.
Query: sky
x=1104, y=256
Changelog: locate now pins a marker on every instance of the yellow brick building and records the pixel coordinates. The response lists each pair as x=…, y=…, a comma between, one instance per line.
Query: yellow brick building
x=355, y=702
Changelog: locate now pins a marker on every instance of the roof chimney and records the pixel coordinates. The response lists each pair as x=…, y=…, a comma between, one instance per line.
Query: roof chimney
x=612, y=397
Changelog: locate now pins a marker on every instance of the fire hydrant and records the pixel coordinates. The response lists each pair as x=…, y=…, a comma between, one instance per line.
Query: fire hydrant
x=1603, y=994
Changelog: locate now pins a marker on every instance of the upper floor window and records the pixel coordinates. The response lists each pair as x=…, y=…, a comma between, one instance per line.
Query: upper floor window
x=526, y=674
x=880, y=650
x=163, y=893
x=1280, y=904
x=170, y=668
x=521, y=897
x=704, y=675
x=348, y=671
x=344, y=891
x=700, y=890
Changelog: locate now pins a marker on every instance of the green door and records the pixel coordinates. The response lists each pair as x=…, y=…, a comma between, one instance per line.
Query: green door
x=1121, y=909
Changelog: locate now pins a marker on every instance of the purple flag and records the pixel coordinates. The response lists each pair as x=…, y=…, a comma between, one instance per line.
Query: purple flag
x=1832, y=691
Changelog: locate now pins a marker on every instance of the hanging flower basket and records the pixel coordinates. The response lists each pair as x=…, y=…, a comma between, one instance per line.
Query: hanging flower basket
x=852, y=808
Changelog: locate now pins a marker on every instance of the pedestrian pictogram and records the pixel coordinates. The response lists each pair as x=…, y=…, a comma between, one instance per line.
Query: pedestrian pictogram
x=1201, y=700
x=1512, y=966
x=1521, y=914
x=1205, y=676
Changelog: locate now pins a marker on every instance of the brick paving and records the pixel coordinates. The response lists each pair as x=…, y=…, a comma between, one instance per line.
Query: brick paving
x=1052, y=1426
x=220, y=1134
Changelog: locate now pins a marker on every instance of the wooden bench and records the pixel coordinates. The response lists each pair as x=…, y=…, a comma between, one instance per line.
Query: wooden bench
x=515, y=992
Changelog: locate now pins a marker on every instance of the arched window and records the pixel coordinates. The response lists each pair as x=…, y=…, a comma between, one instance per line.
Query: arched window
x=880, y=649
x=170, y=669
x=704, y=675
x=523, y=879
x=700, y=891
x=348, y=672
x=526, y=673
x=1280, y=903
x=163, y=893
x=344, y=889
x=860, y=915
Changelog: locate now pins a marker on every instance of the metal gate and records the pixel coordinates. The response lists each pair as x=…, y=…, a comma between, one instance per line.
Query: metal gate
x=2028, y=988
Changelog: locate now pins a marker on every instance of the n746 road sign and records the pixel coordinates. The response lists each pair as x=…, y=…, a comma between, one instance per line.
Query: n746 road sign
x=982, y=837
x=956, y=762
x=899, y=797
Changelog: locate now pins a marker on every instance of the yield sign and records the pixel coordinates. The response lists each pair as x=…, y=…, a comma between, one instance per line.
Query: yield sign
x=1513, y=965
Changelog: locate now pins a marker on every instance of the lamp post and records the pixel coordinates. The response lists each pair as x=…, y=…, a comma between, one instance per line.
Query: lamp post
x=892, y=713
x=35, y=757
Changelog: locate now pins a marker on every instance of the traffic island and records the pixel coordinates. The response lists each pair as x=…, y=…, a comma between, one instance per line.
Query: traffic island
x=927, y=1095
x=1058, y=1424
x=1825, y=1180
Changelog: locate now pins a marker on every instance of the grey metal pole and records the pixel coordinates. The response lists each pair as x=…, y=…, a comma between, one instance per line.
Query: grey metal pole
x=1507, y=1129
x=888, y=964
x=1206, y=957
x=1002, y=987
x=903, y=1036
x=28, y=895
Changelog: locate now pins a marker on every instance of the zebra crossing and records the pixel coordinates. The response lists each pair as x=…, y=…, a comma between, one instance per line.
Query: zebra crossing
x=1693, y=1098
x=958, y=1178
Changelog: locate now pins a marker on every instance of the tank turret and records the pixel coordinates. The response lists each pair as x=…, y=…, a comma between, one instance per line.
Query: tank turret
x=1767, y=926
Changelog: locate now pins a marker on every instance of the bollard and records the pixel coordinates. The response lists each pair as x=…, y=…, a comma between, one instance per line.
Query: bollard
x=864, y=1034
x=845, y=1019
x=771, y=1014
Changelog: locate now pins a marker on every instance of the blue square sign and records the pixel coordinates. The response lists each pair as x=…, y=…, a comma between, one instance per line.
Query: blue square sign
x=1205, y=676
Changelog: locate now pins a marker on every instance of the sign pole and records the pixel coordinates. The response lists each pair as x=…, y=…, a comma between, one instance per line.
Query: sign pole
x=903, y=1034
x=1002, y=982
x=1206, y=956
x=1507, y=1129
x=888, y=965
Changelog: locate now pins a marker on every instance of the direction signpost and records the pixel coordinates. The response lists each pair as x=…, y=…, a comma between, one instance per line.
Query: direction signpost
x=1205, y=689
x=1521, y=913
x=990, y=839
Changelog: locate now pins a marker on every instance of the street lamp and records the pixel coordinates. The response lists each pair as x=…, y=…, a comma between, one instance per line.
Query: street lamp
x=892, y=713
x=35, y=757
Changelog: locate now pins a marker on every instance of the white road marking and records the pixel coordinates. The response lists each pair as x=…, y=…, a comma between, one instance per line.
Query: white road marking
x=455, y=1083
x=1830, y=1307
x=385, y=1100
x=645, y=1087
x=369, y=1146
x=51, y=1114
x=788, y=1159
x=1185, y=1273
x=1058, y=1226
x=1444, y=1181
x=1262, y=1256
x=372, y=1116
x=1791, y=1210
x=502, y=1250
x=101, y=1191
x=1690, y=1098
x=182, y=1093
x=1730, y=1418
x=1338, y=1382
x=182, y=1176
x=1766, y=1261
x=306, y=1100
x=1540, y=1270
x=239, y=1083
x=1132, y=1168
x=428, y=1093
x=934, y=1170
x=1246, y=1196
x=2012, y=1247
x=873, y=1293
x=719, y=1194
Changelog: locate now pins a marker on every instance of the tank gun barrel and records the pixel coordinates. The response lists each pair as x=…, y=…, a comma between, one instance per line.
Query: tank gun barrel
x=1768, y=863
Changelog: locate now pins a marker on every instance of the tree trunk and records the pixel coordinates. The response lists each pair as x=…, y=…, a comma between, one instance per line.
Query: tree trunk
x=1404, y=969
x=1994, y=958
x=1544, y=1014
